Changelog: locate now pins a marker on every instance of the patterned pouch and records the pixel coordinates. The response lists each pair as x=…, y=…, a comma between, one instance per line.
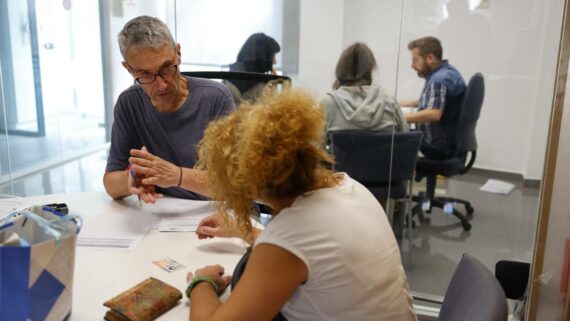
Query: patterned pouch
x=144, y=302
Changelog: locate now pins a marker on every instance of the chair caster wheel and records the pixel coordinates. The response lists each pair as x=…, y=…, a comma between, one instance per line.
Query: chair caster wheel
x=466, y=226
x=469, y=209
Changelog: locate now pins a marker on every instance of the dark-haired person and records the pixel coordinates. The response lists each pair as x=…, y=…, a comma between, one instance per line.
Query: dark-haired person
x=160, y=119
x=257, y=54
x=310, y=262
x=357, y=102
x=440, y=101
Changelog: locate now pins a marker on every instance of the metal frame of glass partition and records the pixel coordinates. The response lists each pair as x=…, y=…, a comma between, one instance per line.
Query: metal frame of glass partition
x=9, y=109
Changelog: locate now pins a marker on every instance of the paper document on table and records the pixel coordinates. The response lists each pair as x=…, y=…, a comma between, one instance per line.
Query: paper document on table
x=9, y=205
x=497, y=187
x=122, y=228
x=185, y=224
x=181, y=215
x=121, y=243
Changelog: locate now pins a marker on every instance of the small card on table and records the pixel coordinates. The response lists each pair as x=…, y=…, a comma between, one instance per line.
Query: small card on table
x=169, y=265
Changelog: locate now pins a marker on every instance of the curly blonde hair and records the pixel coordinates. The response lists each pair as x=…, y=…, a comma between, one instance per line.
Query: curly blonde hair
x=273, y=147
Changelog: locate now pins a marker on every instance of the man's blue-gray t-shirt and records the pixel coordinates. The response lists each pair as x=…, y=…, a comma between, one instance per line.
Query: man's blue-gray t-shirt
x=172, y=136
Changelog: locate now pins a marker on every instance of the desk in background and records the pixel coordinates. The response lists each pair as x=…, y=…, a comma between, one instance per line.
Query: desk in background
x=101, y=274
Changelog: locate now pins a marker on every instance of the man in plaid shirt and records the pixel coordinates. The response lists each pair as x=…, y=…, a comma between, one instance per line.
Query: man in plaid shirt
x=440, y=101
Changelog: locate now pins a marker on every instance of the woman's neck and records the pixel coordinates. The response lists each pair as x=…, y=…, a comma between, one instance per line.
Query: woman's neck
x=324, y=181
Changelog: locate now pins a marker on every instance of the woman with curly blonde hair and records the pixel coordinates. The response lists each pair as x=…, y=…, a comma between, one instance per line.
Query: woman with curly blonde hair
x=327, y=254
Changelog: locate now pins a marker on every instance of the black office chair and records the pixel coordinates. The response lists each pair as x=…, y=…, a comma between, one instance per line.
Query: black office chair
x=266, y=81
x=382, y=162
x=459, y=164
x=473, y=294
x=513, y=277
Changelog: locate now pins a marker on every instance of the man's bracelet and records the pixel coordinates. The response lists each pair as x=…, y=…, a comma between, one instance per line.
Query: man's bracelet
x=180, y=179
x=199, y=279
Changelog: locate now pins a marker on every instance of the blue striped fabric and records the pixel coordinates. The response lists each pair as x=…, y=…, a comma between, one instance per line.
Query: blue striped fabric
x=443, y=90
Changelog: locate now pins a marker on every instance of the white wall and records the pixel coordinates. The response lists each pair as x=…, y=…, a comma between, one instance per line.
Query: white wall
x=514, y=43
x=320, y=38
x=376, y=23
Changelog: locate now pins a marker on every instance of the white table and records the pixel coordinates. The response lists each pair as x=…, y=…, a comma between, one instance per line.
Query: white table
x=100, y=274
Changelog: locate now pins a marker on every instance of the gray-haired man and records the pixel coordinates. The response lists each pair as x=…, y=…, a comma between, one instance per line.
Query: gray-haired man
x=160, y=119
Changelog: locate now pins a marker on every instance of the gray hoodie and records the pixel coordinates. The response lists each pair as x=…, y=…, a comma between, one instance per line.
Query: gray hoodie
x=370, y=108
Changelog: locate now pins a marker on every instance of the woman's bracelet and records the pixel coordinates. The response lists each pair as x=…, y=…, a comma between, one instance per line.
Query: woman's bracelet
x=199, y=279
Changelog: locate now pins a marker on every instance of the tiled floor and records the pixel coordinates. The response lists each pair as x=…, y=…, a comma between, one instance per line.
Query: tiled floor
x=503, y=225
x=68, y=136
x=503, y=229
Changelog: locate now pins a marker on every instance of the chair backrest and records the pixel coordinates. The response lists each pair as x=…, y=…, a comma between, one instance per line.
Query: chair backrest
x=473, y=294
x=236, y=75
x=470, y=111
x=513, y=277
x=266, y=81
x=367, y=156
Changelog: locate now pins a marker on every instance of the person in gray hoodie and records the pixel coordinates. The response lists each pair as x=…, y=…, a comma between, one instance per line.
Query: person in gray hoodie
x=356, y=102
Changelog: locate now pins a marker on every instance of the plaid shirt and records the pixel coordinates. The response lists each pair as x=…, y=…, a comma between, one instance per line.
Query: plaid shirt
x=444, y=89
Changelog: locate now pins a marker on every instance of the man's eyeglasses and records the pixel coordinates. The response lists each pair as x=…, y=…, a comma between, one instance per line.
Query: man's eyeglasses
x=164, y=72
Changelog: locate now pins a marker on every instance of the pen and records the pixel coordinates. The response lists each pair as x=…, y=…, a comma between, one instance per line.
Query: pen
x=135, y=182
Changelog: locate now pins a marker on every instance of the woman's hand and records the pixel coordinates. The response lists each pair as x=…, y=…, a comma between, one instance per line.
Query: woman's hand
x=155, y=170
x=216, y=272
x=214, y=225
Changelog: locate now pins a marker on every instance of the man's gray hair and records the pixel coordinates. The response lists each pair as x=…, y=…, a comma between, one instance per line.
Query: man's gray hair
x=144, y=31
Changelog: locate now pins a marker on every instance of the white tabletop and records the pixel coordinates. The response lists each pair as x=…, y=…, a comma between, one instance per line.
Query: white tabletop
x=101, y=274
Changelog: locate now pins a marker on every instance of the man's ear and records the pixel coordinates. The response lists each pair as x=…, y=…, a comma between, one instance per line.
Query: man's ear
x=126, y=65
x=431, y=59
x=178, y=53
x=128, y=68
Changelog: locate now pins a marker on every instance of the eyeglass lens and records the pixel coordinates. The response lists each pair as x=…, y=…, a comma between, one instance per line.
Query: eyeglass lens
x=163, y=73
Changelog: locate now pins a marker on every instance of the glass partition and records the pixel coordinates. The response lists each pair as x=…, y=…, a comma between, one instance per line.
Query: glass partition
x=212, y=37
x=52, y=86
x=497, y=39
x=5, y=166
x=67, y=82
x=514, y=46
x=493, y=38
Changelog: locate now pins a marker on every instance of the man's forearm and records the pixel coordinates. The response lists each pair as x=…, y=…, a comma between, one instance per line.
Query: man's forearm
x=195, y=180
x=409, y=103
x=424, y=116
x=116, y=184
